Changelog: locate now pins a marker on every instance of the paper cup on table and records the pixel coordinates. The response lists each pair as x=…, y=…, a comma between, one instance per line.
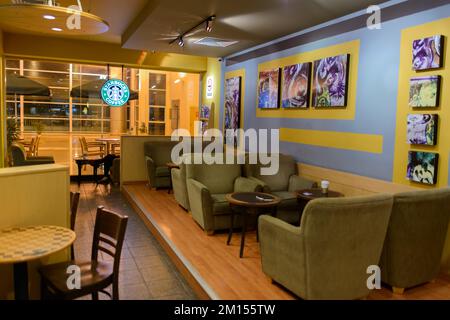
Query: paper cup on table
x=325, y=185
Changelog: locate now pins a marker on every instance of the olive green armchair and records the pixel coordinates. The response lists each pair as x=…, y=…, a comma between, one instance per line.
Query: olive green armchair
x=283, y=184
x=207, y=186
x=328, y=256
x=157, y=155
x=415, y=239
x=19, y=157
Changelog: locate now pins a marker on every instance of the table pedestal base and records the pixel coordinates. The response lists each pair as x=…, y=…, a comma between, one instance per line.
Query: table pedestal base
x=21, y=281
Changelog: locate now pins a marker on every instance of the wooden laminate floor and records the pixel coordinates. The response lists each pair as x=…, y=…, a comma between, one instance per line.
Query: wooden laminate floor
x=217, y=267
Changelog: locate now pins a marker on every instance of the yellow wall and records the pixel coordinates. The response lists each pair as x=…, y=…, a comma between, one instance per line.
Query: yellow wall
x=2, y=107
x=214, y=69
x=35, y=195
x=347, y=113
x=405, y=73
x=31, y=46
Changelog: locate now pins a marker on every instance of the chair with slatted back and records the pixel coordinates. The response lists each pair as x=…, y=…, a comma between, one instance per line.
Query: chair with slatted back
x=74, y=200
x=96, y=275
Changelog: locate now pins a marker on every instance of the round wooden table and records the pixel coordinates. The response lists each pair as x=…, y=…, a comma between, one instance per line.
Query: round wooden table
x=252, y=203
x=109, y=142
x=306, y=195
x=23, y=244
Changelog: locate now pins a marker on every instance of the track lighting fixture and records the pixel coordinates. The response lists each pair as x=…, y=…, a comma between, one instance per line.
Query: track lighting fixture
x=208, y=27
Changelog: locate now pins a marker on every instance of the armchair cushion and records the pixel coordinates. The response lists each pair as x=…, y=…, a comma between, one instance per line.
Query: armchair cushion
x=220, y=204
x=297, y=183
x=242, y=184
x=162, y=172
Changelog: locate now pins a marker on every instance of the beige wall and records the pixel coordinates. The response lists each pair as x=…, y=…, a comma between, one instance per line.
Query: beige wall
x=35, y=195
x=132, y=162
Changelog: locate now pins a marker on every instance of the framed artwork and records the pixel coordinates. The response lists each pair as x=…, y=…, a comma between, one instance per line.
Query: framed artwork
x=295, y=92
x=268, y=89
x=232, y=104
x=424, y=92
x=422, y=129
x=423, y=167
x=427, y=53
x=330, y=81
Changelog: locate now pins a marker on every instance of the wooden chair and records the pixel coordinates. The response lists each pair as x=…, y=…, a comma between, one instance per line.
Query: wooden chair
x=115, y=149
x=29, y=146
x=74, y=201
x=86, y=148
x=96, y=275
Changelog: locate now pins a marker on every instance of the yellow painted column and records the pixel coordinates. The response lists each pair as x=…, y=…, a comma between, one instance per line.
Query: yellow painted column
x=117, y=114
x=2, y=105
x=214, y=70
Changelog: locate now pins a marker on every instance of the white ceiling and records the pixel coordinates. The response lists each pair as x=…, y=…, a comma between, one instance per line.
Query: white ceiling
x=152, y=24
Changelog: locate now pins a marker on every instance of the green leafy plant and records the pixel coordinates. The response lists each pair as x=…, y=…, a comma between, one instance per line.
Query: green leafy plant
x=12, y=131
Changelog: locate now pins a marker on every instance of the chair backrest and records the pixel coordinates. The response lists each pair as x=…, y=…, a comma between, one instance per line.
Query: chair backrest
x=279, y=181
x=218, y=178
x=34, y=149
x=416, y=237
x=83, y=145
x=160, y=151
x=74, y=201
x=342, y=238
x=109, y=234
x=18, y=154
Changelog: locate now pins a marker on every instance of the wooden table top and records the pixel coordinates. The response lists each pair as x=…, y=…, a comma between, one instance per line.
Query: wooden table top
x=30, y=243
x=252, y=199
x=172, y=165
x=311, y=194
x=107, y=139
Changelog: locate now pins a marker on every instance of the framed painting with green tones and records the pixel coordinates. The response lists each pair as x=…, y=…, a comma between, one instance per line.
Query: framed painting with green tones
x=424, y=92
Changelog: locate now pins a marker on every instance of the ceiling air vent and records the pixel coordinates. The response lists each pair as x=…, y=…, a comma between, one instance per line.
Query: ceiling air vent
x=215, y=42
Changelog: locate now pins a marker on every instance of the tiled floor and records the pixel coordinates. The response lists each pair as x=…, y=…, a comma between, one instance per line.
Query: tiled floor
x=146, y=271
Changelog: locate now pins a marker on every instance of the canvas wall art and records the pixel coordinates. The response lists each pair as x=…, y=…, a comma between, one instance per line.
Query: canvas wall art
x=424, y=92
x=295, y=92
x=423, y=167
x=427, y=53
x=232, y=103
x=330, y=81
x=422, y=129
x=268, y=87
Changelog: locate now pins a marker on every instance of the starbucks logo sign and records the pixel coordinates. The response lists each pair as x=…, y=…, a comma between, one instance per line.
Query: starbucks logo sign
x=115, y=93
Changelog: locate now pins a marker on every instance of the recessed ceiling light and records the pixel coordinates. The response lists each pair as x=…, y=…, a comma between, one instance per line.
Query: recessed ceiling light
x=57, y=29
x=177, y=81
x=49, y=17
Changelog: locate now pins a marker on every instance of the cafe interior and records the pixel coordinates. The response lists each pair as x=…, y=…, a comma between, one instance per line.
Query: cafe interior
x=224, y=150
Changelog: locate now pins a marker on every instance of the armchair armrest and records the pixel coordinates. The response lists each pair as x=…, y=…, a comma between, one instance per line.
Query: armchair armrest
x=201, y=204
x=282, y=252
x=297, y=183
x=242, y=184
x=151, y=168
x=264, y=186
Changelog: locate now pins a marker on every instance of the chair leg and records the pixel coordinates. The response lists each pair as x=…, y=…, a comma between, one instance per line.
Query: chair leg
x=115, y=290
x=398, y=290
x=95, y=296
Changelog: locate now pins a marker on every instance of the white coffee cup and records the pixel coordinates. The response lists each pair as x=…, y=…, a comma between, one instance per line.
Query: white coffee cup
x=325, y=185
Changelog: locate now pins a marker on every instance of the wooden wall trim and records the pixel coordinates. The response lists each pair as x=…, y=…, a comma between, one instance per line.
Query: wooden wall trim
x=351, y=184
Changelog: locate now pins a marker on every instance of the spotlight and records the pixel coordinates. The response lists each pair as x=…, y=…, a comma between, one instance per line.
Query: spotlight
x=49, y=17
x=209, y=23
x=57, y=29
x=181, y=42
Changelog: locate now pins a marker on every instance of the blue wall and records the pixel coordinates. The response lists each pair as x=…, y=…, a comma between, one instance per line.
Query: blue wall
x=376, y=99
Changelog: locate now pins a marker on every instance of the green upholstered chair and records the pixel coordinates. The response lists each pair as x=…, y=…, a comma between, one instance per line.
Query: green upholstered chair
x=415, y=239
x=19, y=158
x=157, y=155
x=179, y=178
x=207, y=185
x=328, y=256
x=283, y=185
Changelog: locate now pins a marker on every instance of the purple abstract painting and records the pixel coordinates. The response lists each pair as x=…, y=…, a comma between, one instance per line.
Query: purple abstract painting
x=330, y=81
x=232, y=102
x=296, y=86
x=427, y=53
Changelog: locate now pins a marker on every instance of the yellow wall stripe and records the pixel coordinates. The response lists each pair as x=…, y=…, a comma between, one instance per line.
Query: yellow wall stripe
x=333, y=139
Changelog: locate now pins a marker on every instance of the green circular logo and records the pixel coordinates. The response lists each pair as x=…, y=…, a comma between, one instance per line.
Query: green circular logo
x=115, y=93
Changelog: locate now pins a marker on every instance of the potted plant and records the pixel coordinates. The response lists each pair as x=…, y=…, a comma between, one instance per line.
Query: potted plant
x=12, y=135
